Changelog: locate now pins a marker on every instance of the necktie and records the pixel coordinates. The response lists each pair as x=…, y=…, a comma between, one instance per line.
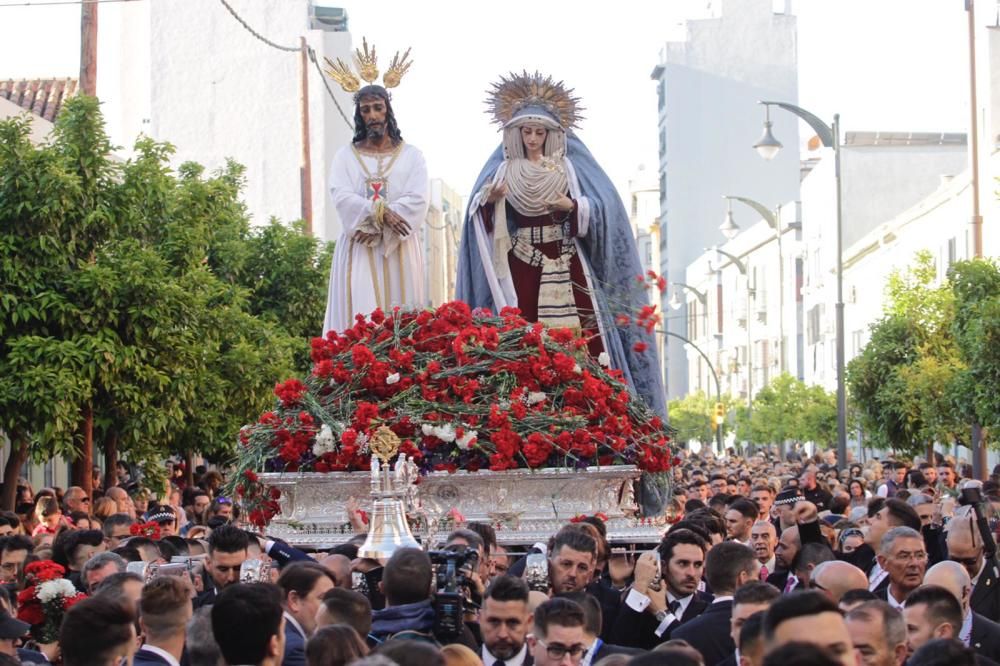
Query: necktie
x=763, y=574
x=499, y=662
x=790, y=583
x=673, y=607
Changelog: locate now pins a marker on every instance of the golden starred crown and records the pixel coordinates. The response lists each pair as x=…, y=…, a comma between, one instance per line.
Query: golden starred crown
x=516, y=91
x=366, y=68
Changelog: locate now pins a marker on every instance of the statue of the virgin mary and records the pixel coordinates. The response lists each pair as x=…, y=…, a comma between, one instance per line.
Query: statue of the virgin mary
x=547, y=233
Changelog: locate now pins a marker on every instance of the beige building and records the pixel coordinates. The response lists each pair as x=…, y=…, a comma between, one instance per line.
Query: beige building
x=442, y=232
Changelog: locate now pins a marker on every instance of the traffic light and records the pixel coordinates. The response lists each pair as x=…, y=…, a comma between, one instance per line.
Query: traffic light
x=720, y=414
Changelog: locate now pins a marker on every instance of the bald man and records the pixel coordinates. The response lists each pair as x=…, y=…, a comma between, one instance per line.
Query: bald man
x=836, y=578
x=340, y=567
x=977, y=632
x=965, y=546
x=785, y=553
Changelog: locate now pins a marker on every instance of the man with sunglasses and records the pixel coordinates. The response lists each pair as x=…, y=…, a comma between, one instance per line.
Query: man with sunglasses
x=558, y=633
x=965, y=546
x=75, y=499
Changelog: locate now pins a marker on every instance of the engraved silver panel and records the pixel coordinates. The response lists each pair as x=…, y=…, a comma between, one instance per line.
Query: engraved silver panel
x=524, y=506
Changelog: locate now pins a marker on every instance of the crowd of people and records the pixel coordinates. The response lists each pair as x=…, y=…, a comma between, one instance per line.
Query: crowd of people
x=763, y=563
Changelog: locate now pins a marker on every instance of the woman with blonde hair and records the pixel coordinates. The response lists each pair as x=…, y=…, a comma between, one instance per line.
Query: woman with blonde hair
x=456, y=654
x=104, y=507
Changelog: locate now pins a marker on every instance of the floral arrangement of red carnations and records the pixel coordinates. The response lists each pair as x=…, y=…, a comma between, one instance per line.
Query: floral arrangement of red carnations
x=45, y=599
x=461, y=390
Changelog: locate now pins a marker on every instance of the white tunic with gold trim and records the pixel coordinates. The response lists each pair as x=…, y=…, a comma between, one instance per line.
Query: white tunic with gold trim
x=389, y=272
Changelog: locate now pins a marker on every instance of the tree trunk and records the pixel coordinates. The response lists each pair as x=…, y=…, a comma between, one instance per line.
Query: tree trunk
x=930, y=453
x=110, y=459
x=12, y=471
x=84, y=464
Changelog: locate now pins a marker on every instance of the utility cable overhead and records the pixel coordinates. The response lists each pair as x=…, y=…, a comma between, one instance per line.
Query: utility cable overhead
x=52, y=3
x=289, y=49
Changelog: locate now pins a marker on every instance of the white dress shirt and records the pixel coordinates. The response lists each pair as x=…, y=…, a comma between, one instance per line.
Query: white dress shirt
x=173, y=662
x=516, y=660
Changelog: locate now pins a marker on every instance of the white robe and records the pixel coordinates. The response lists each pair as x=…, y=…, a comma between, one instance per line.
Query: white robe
x=352, y=262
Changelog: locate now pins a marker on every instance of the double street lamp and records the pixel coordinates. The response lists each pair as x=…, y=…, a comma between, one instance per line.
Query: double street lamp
x=829, y=135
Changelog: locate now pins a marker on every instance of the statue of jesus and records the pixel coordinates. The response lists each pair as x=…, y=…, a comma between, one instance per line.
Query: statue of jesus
x=379, y=186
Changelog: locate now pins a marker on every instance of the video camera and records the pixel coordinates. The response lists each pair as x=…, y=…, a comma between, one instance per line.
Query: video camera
x=453, y=568
x=972, y=495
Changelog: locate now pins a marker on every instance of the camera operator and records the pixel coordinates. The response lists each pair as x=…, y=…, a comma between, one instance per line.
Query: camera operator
x=409, y=610
x=474, y=576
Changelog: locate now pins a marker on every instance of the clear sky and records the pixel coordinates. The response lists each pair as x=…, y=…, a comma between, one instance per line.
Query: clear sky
x=894, y=65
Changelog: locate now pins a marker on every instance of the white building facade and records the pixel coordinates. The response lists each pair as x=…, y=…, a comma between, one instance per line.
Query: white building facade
x=195, y=77
x=708, y=86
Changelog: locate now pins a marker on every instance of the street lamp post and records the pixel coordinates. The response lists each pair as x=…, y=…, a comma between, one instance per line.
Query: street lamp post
x=715, y=375
x=829, y=135
x=742, y=268
x=773, y=220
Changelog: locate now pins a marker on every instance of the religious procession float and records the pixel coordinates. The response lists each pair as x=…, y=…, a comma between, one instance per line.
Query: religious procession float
x=467, y=417
x=532, y=400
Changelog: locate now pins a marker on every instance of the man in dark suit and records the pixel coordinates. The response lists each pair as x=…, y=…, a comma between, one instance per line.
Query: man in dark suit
x=902, y=555
x=303, y=585
x=889, y=514
x=751, y=599
x=505, y=621
x=592, y=621
x=977, y=632
x=248, y=624
x=165, y=608
x=728, y=567
x=965, y=546
x=228, y=549
x=653, y=610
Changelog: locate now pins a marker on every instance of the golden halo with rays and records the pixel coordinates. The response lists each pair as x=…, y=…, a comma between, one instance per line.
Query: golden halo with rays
x=515, y=91
x=366, y=67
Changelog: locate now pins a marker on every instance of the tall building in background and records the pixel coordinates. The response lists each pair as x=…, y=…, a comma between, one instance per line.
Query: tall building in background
x=196, y=78
x=708, y=86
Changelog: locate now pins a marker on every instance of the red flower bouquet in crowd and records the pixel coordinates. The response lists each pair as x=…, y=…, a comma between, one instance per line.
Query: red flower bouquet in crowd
x=150, y=530
x=45, y=599
x=460, y=390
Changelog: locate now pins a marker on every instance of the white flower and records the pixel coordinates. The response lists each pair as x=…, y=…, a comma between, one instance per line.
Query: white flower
x=362, y=442
x=324, y=441
x=466, y=441
x=392, y=379
x=52, y=589
x=427, y=429
x=604, y=359
x=445, y=433
x=536, y=397
x=577, y=369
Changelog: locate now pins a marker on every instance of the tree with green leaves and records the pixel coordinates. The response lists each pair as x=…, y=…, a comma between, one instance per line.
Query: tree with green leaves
x=976, y=329
x=137, y=306
x=692, y=417
x=789, y=410
x=903, y=381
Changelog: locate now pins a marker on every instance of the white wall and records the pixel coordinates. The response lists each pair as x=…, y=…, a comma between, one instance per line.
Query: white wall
x=708, y=122
x=197, y=79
